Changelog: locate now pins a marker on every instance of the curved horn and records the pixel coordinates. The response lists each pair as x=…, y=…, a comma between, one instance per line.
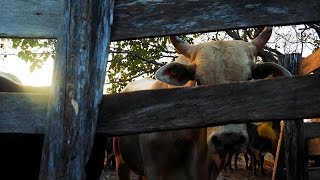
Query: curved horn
x=181, y=46
x=260, y=41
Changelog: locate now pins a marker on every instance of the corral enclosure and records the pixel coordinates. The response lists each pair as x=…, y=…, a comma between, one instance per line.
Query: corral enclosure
x=84, y=30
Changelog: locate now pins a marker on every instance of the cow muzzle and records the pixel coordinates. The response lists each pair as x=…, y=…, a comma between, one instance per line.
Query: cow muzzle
x=226, y=141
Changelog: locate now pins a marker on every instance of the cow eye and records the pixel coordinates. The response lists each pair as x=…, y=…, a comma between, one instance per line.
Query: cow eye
x=198, y=83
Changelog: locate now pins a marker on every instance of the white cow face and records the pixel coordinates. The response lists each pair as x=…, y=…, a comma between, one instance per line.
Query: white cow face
x=213, y=63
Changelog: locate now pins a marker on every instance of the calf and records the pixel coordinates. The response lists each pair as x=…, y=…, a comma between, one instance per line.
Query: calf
x=263, y=139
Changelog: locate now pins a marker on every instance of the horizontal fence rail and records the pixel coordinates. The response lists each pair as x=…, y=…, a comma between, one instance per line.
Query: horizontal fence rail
x=146, y=111
x=30, y=18
x=41, y=19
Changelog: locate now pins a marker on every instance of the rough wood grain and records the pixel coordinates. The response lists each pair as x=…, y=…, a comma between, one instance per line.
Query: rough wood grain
x=145, y=18
x=295, y=150
x=280, y=98
x=310, y=63
x=23, y=113
x=294, y=131
x=146, y=111
x=78, y=78
x=182, y=17
x=30, y=18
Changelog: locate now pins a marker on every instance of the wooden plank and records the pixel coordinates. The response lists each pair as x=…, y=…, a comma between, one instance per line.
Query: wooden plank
x=312, y=130
x=280, y=98
x=23, y=113
x=295, y=150
x=82, y=55
x=182, y=17
x=294, y=130
x=314, y=173
x=31, y=18
x=310, y=63
x=146, y=111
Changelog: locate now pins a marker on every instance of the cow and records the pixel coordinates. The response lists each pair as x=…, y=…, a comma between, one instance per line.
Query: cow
x=263, y=138
x=196, y=153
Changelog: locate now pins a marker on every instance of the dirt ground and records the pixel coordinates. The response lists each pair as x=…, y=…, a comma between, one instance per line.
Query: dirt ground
x=240, y=173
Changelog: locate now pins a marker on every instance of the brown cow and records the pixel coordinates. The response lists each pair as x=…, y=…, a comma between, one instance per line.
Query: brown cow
x=193, y=153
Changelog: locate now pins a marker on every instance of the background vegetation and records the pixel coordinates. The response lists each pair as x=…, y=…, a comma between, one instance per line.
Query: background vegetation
x=129, y=60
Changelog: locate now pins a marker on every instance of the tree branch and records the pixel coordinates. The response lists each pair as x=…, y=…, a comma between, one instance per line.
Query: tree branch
x=233, y=35
x=131, y=78
x=139, y=57
x=316, y=27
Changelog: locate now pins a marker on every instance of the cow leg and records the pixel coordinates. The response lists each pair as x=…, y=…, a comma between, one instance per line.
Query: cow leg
x=261, y=160
x=236, y=155
x=254, y=164
x=227, y=164
x=122, y=169
x=246, y=158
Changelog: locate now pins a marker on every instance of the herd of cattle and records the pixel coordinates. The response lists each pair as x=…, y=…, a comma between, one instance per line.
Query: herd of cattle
x=198, y=153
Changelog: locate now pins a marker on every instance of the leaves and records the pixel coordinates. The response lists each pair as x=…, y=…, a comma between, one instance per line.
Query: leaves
x=36, y=51
x=134, y=59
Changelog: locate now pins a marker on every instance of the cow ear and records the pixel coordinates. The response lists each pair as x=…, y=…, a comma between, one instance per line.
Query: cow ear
x=268, y=70
x=176, y=74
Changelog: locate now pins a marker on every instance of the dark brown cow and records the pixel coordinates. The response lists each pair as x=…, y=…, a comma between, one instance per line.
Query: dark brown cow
x=192, y=153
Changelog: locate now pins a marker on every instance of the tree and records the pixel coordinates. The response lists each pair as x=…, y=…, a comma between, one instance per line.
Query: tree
x=140, y=58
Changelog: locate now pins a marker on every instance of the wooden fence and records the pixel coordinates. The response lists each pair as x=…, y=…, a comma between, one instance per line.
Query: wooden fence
x=84, y=30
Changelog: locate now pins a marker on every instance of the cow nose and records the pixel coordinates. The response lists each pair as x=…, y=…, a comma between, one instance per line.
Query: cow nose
x=228, y=142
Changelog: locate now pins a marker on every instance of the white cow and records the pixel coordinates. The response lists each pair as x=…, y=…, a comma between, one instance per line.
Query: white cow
x=197, y=153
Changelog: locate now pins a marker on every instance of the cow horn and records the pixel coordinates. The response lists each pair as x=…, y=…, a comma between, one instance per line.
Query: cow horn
x=181, y=46
x=260, y=41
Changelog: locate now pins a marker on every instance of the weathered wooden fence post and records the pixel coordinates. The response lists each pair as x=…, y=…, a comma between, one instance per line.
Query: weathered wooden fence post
x=294, y=132
x=78, y=80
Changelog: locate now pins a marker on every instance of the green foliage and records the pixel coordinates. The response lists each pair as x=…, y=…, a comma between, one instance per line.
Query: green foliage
x=132, y=59
x=36, y=51
x=138, y=59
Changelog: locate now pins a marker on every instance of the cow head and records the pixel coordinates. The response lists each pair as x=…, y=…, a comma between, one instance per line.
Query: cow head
x=213, y=63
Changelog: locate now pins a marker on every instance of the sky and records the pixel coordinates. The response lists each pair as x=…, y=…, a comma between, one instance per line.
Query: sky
x=42, y=77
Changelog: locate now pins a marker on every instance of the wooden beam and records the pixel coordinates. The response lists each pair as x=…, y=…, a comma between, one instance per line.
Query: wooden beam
x=312, y=130
x=134, y=112
x=314, y=173
x=31, y=18
x=146, y=111
x=78, y=79
x=295, y=150
x=294, y=140
x=183, y=17
x=310, y=63
x=23, y=113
